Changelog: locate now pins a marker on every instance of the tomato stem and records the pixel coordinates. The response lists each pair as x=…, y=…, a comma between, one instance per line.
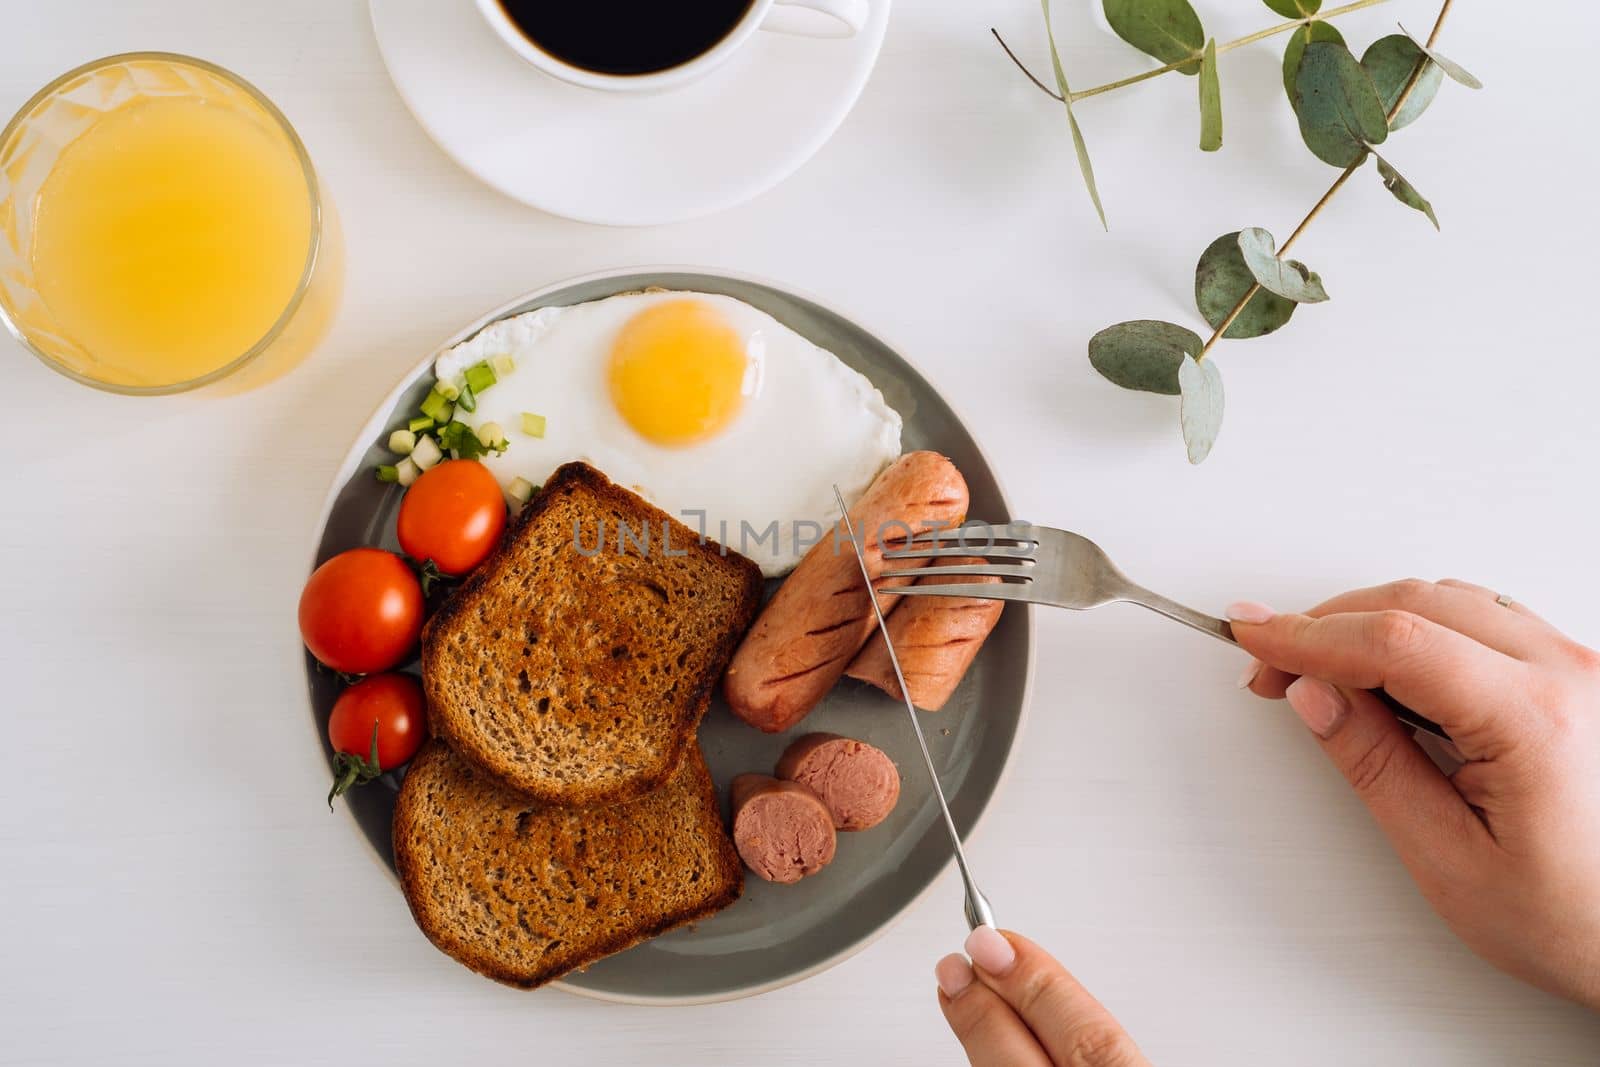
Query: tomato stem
x=350, y=770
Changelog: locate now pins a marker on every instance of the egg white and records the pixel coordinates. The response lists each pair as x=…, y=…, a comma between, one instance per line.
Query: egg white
x=808, y=422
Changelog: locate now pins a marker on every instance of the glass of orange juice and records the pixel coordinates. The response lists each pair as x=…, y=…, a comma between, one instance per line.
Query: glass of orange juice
x=161, y=226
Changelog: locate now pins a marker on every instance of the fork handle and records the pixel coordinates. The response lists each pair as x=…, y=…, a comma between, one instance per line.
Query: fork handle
x=1223, y=631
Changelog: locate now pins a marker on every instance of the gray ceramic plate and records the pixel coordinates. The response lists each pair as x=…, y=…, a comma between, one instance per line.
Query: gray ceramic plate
x=775, y=934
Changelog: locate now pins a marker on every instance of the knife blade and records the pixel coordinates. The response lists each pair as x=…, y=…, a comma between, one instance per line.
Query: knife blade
x=977, y=909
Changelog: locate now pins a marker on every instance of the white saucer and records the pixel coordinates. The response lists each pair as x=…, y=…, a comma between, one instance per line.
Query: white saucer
x=621, y=159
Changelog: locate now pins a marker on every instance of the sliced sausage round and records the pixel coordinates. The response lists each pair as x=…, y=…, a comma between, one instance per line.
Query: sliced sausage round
x=782, y=829
x=858, y=783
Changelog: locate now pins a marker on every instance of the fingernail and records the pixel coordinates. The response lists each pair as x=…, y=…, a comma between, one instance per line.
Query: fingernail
x=1320, y=706
x=953, y=973
x=1250, y=611
x=990, y=951
x=1249, y=673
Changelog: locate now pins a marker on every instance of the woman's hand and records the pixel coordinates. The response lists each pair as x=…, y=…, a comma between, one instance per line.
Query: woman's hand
x=1015, y=1006
x=1507, y=848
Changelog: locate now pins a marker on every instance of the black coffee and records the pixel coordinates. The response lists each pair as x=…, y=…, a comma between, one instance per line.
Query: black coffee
x=625, y=36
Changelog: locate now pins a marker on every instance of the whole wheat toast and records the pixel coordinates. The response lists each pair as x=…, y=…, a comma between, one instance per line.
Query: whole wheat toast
x=523, y=894
x=575, y=663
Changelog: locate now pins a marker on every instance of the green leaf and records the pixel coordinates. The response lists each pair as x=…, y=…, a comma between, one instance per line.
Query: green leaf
x=1166, y=29
x=1289, y=278
x=1391, y=61
x=1210, y=100
x=1201, y=415
x=1455, y=70
x=1338, y=106
x=1220, y=281
x=1295, y=9
x=1296, y=49
x=1084, y=166
x=1144, y=354
x=1404, y=191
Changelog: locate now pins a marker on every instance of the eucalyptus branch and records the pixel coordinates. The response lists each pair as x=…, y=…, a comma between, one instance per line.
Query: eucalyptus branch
x=1259, y=35
x=1338, y=183
x=1244, y=285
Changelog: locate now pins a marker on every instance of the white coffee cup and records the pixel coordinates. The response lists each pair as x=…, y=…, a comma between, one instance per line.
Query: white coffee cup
x=806, y=18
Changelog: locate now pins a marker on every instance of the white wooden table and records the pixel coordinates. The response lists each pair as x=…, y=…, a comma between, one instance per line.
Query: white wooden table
x=172, y=889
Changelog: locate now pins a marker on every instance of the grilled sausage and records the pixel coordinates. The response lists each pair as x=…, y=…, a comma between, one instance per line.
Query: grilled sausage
x=820, y=617
x=857, y=782
x=936, y=638
x=782, y=830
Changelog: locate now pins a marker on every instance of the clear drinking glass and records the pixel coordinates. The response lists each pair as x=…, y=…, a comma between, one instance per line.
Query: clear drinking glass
x=127, y=96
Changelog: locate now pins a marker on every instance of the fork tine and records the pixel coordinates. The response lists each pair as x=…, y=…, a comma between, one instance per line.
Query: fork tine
x=973, y=591
x=977, y=533
x=987, y=570
x=957, y=552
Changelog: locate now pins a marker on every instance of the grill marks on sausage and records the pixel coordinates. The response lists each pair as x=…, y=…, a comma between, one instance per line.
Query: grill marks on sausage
x=821, y=616
x=937, y=639
x=841, y=624
x=802, y=673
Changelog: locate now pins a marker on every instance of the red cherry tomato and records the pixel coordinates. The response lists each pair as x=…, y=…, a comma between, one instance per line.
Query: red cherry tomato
x=361, y=611
x=385, y=710
x=454, y=515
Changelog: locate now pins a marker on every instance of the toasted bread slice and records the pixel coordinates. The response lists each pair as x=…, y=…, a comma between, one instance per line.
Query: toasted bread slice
x=523, y=894
x=574, y=664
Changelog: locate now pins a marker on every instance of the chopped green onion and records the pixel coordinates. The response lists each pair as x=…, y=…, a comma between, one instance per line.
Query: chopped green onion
x=492, y=435
x=388, y=474
x=420, y=423
x=521, y=490
x=458, y=438
x=502, y=364
x=480, y=376
x=446, y=388
x=532, y=425
x=401, y=442
x=435, y=406
x=426, y=454
x=407, y=471
x=468, y=400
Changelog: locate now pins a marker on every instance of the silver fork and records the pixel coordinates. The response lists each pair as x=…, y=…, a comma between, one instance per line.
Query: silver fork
x=1041, y=565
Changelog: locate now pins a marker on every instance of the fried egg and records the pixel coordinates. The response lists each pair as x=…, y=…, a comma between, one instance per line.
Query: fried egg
x=709, y=408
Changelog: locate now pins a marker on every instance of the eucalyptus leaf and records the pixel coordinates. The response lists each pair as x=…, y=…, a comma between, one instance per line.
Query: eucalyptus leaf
x=1144, y=354
x=1289, y=278
x=1338, y=106
x=1391, y=61
x=1084, y=166
x=1210, y=100
x=1201, y=414
x=1457, y=72
x=1167, y=29
x=1295, y=9
x=1295, y=50
x=1404, y=191
x=1221, y=279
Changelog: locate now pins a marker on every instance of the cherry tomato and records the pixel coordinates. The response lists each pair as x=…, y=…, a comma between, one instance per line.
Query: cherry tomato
x=384, y=710
x=361, y=611
x=453, y=514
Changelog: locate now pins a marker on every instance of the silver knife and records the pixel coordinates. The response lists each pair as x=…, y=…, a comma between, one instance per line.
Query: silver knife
x=977, y=907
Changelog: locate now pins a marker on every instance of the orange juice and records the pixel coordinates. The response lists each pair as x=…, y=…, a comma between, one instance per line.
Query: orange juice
x=160, y=225
x=170, y=237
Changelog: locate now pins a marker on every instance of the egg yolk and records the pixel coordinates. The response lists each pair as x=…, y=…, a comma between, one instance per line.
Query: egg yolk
x=677, y=372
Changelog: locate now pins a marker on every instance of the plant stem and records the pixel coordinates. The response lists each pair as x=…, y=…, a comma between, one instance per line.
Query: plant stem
x=1338, y=183
x=1270, y=31
x=1046, y=90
